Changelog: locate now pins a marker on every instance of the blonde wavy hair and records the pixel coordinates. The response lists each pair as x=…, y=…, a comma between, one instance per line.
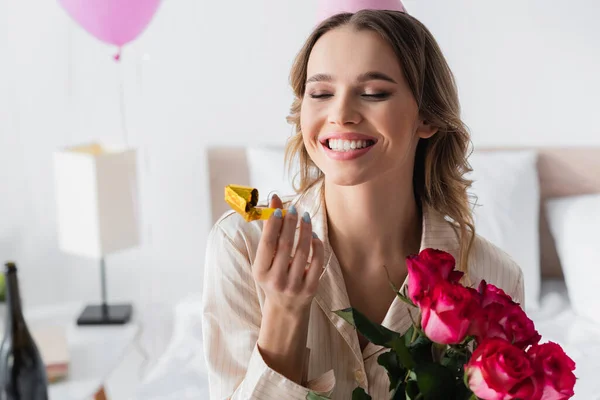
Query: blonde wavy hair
x=441, y=161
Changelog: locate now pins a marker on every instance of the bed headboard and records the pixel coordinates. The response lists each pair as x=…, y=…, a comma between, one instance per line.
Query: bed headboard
x=562, y=172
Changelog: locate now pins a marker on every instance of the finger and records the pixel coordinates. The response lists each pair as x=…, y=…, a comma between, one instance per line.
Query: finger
x=281, y=262
x=268, y=243
x=316, y=265
x=299, y=263
x=275, y=202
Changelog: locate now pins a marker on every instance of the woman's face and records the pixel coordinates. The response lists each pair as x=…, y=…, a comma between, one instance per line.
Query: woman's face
x=359, y=119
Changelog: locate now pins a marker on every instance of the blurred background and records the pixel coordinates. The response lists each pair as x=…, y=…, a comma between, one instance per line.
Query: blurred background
x=215, y=73
x=208, y=73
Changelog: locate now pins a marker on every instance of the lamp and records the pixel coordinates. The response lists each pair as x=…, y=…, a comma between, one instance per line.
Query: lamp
x=96, y=199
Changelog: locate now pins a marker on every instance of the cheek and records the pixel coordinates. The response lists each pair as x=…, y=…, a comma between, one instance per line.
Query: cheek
x=309, y=123
x=397, y=117
x=395, y=120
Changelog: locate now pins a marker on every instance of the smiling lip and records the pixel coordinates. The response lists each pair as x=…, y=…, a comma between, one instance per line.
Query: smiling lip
x=346, y=136
x=350, y=154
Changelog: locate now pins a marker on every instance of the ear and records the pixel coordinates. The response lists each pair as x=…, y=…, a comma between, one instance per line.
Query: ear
x=425, y=130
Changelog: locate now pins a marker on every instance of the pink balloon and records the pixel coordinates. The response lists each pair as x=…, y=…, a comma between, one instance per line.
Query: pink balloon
x=116, y=22
x=328, y=8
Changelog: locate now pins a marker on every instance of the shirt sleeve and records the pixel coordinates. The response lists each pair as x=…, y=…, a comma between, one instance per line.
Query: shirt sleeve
x=231, y=318
x=518, y=293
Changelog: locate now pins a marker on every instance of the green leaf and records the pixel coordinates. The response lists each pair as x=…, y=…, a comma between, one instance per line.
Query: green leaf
x=394, y=288
x=348, y=315
x=455, y=360
x=412, y=390
x=403, y=354
x=401, y=296
x=390, y=361
x=405, y=299
x=400, y=392
x=438, y=351
x=435, y=382
x=313, y=396
x=467, y=341
x=415, y=323
x=409, y=335
x=360, y=394
x=378, y=334
x=420, y=350
x=463, y=392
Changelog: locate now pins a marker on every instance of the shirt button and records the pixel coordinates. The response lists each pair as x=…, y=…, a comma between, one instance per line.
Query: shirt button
x=359, y=376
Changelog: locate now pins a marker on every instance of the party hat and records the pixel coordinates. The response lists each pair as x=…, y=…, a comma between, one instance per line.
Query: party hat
x=327, y=8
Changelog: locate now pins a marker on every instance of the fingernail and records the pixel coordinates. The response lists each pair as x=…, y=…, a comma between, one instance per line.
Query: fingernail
x=278, y=213
x=306, y=217
x=292, y=210
x=315, y=235
x=272, y=196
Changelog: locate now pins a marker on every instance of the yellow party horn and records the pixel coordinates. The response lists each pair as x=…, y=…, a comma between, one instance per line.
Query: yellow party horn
x=243, y=200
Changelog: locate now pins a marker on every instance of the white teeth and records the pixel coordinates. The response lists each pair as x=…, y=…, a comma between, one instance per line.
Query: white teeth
x=346, y=145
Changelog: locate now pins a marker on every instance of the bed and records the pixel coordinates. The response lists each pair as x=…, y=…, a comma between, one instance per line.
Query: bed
x=560, y=173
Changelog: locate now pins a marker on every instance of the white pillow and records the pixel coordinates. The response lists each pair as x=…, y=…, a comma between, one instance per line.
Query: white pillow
x=574, y=223
x=507, y=212
x=266, y=167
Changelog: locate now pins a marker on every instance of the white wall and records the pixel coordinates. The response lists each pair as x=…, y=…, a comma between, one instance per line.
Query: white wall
x=207, y=73
x=527, y=70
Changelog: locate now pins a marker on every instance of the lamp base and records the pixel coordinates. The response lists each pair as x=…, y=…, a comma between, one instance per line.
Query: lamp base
x=118, y=314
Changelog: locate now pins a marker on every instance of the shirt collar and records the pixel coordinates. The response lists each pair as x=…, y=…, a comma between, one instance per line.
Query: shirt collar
x=331, y=296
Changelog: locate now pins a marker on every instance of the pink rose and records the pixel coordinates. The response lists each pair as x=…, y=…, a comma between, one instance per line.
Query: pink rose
x=555, y=370
x=446, y=313
x=500, y=317
x=498, y=370
x=491, y=294
x=428, y=268
x=511, y=324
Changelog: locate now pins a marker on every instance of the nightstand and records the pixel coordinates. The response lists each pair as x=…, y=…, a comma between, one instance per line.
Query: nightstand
x=94, y=351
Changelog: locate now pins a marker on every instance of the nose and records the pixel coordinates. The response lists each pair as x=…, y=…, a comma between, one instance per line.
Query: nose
x=343, y=111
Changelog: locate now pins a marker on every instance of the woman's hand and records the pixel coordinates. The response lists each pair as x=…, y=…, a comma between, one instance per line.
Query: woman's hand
x=290, y=283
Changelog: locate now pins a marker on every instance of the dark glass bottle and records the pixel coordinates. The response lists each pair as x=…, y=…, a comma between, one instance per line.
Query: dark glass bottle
x=22, y=371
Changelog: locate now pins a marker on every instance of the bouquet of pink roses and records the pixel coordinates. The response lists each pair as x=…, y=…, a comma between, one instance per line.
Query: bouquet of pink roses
x=467, y=344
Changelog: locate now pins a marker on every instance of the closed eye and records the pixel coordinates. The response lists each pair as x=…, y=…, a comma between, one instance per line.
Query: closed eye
x=320, y=96
x=377, y=96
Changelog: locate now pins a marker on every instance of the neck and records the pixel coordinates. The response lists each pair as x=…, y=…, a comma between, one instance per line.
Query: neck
x=369, y=230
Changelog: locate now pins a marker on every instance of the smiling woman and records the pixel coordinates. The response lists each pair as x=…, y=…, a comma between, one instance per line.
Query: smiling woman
x=392, y=76
x=382, y=155
x=351, y=104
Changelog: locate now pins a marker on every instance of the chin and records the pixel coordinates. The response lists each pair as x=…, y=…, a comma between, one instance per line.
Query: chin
x=345, y=179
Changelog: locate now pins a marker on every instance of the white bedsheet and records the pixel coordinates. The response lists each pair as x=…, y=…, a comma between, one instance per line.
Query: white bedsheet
x=556, y=321
x=180, y=373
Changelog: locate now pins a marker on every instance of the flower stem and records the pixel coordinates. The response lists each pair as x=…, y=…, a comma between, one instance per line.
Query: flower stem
x=414, y=335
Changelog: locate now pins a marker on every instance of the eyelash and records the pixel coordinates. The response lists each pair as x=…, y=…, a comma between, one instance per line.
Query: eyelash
x=375, y=96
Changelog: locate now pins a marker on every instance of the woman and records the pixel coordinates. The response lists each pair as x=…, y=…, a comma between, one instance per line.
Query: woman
x=382, y=152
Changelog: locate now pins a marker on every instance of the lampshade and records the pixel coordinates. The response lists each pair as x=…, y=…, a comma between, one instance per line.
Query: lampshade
x=328, y=8
x=96, y=199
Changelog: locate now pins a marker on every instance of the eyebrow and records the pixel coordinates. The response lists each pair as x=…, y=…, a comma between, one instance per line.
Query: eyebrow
x=367, y=76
